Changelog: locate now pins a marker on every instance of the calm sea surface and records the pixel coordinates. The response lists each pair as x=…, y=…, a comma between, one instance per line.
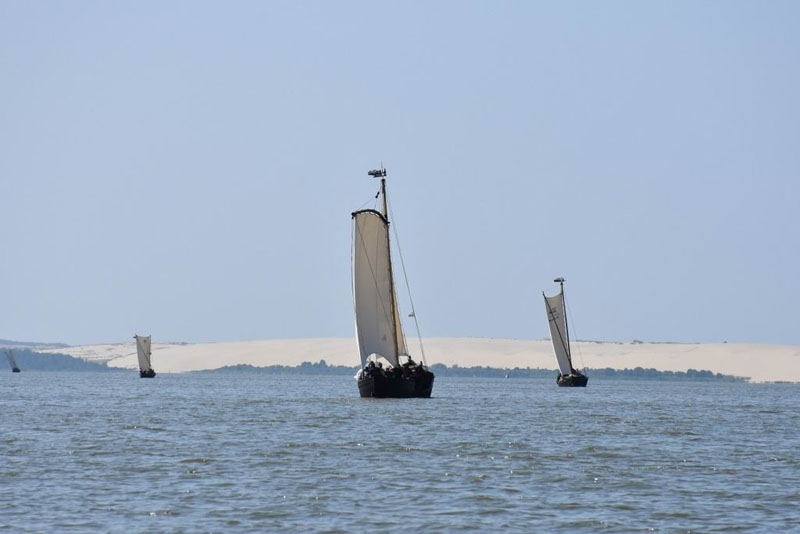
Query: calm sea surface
x=258, y=453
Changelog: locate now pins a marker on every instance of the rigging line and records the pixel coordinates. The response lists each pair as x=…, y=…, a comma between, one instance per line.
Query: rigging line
x=374, y=279
x=577, y=344
x=397, y=324
x=408, y=287
x=352, y=278
x=405, y=277
x=353, y=283
x=371, y=199
x=375, y=200
x=396, y=308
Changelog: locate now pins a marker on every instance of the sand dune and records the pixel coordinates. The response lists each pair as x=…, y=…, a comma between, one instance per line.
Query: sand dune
x=760, y=363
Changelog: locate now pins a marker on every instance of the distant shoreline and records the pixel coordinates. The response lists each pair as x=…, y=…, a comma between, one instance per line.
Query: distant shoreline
x=48, y=362
x=756, y=363
x=441, y=370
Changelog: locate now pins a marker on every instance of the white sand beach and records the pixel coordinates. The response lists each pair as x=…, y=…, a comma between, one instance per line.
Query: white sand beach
x=759, y=363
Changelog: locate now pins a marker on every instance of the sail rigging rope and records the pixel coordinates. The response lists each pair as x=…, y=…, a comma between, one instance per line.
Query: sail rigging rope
x=374, y=201
x=405, y=277
x=577, y=343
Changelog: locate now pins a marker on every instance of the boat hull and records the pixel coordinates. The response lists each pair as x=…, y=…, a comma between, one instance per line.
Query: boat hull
x=572, y=381
x=147, y=374
x=15, y=370
x=381, y=386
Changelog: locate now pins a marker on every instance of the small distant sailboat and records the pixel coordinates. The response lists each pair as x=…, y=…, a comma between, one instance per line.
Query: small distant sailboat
x=379, y=331
x=12, y=361
x=556, y=306
x=143, y=353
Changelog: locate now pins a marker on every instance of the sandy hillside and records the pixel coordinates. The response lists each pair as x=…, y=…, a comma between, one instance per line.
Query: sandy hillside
x=758, y=362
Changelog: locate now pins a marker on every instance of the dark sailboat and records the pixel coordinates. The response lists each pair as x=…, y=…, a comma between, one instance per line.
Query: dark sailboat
x=12, y=361
x=556, y=306
x=379, y=331
x=143, y=354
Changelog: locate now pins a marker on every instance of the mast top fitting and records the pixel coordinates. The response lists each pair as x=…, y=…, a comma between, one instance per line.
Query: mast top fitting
x=378, y=173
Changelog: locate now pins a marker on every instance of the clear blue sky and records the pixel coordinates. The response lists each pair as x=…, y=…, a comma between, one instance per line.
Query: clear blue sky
x=188, y=169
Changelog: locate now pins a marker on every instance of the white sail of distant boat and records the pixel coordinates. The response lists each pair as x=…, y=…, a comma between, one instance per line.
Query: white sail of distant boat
x=379, y=330
x=12, y=361
x=557, y=317
x=556, y=307
x=143, y=352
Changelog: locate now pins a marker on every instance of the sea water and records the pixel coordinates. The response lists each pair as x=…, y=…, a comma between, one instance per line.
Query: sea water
x=264, y=453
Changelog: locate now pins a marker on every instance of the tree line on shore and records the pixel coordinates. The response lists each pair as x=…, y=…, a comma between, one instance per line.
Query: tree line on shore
x=36, y=361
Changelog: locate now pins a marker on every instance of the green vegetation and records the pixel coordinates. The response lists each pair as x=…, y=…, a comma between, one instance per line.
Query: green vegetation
x=29, y=360
x=441, y=370
x=305, y=368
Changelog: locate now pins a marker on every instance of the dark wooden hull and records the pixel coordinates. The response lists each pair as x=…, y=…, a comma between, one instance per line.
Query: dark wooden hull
x=147, y=374
x=15, y=370
x=572, y=381
x=379, y=385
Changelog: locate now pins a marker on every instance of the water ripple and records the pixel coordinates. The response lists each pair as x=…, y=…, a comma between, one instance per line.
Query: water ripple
x=256, y=453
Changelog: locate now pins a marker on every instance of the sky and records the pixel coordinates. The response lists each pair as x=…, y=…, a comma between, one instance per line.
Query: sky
x=188, y=169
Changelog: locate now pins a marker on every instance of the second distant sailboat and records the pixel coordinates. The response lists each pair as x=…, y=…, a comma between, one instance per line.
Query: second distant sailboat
x=556, y=306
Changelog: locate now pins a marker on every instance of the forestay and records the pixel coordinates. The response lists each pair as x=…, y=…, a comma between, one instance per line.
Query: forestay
x=143, y=352
x=556, y=316
x=378, y=327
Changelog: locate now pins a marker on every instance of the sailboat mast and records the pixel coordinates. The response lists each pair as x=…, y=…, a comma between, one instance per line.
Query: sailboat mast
x=384, y=209
x=566, y=321
x=385, y=213
x=566, y=324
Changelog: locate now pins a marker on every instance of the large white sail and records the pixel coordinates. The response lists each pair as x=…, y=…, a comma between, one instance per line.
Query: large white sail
x=556, y=316
x=11, y=360
x=143, y=352
x=378, y=328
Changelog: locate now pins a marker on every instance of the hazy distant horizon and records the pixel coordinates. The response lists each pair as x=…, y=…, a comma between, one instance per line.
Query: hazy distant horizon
x=189, y=170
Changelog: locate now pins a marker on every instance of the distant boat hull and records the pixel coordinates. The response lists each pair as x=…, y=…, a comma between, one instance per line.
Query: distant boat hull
x=572, y=381
x=15, y=370
x=379, y=385
x=147, y=374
